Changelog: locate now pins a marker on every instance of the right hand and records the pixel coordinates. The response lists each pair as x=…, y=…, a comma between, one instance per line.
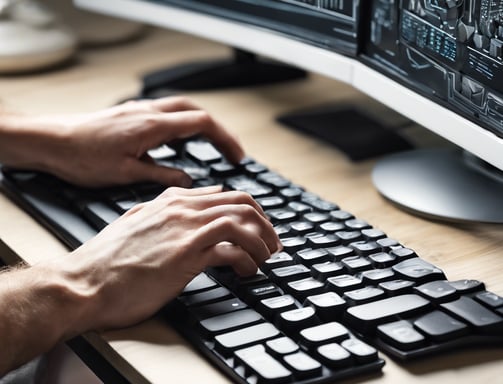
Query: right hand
x=145, y=258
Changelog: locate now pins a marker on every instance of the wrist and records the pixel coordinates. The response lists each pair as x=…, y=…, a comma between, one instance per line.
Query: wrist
x=28, y=142
x=40, y=308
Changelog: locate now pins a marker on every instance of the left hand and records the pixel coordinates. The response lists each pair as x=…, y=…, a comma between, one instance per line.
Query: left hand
x=109, y=146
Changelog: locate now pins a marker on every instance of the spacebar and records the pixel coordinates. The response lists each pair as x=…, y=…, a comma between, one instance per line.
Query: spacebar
x=366, y=317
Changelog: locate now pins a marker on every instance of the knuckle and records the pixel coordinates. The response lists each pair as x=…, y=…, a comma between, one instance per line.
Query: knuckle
x=203, y=118
x=182, y=101
x=225, y=223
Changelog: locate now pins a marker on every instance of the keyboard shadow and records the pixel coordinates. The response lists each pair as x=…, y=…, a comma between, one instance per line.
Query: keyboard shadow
x=451, y=361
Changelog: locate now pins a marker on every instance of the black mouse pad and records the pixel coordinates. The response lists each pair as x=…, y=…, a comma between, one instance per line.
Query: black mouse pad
x=349, y=129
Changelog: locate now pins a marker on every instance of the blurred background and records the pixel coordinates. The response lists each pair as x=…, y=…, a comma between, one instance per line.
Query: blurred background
x=37, y=35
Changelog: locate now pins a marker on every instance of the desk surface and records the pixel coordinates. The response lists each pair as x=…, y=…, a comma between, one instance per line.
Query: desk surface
x=151, y=351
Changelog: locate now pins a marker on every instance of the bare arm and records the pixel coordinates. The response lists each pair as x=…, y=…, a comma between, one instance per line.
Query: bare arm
x=132, y=268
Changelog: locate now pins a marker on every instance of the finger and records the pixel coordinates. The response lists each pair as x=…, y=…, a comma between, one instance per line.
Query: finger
x=173, y=104
x=225, y=229
x=191, y=192
x=185, y=124
x=257, y=239
x=229, y=197
x=228, y=254
x=245, y=217
x=144, y=171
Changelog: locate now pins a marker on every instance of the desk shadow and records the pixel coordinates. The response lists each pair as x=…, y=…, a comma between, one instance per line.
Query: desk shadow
x=452, y=361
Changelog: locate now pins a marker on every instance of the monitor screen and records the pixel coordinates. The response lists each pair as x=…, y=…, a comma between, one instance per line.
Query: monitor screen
x=438, y=62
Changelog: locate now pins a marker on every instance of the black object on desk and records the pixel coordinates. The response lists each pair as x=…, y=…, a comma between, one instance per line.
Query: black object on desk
x=351, y=130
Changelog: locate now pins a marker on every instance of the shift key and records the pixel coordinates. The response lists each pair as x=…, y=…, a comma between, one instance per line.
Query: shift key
x=226, y=343
x=367, y=317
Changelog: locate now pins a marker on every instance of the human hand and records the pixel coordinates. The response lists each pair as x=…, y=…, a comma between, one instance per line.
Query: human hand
x=109, y=146
x=146, y=257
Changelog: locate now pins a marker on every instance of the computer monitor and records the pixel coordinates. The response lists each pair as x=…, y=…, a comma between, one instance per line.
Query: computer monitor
x=438, y=62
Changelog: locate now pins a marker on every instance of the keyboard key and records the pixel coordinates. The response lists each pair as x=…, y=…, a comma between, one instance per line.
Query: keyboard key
x=291, y=322
x=289, y=273
x=348, y=237
x=388, y=244
x=206, y=297
x=271, y=202
x=403, y=253
x=340, y=215
x=273, y=180
x=343, y=283
x=312, y=256
x=418, y=270
x=281, y=215
x=277, y=260
x=365, y=248
x=226, y=343
x=361, y=351
x=489, y=299
x=199, y=283
x=265, y=367
x=328, y=306
x=334, y=356
x=300, y=228
x=317, y=203
x=161, y=152
x=376, y=276
x=331, y=227
x=218, y=308
x=293, y=244
x=440, y=327
x=323, y=241
x=202, y=152
x=260, y=292
x=99, y=214
x=325, y=270
x=323, y=334
x=253, y=169
x=437, y=291
x=291, y=193
x=467, y=286
x=382, y=260
x=230, y=321
x=475, y=314
x=299, y=207
x=281, y=346
x=340, y=252
x=357, y=224
x=304, y=288
x=302, y=365
x=363, y=295
x=316, y=217
x=355, y=264
x=273, y=306
x=366, y=317
x=397, y=287
x=373, y=234
x=401, y=334
x=222, y=170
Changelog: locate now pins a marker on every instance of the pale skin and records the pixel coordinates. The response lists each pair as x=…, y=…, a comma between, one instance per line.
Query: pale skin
x=145, y=258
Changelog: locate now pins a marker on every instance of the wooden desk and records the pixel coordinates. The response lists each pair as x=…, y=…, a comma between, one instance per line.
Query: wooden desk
x=152, y=352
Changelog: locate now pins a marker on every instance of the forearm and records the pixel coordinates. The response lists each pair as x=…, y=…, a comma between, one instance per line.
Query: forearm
x=28, y=142
x=39, y=308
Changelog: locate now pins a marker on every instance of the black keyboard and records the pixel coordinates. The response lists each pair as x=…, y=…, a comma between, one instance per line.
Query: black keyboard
x=317, y=311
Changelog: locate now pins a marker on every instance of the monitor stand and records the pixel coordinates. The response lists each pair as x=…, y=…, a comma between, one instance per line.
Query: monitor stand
x=442, y=184
x=241, y=70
